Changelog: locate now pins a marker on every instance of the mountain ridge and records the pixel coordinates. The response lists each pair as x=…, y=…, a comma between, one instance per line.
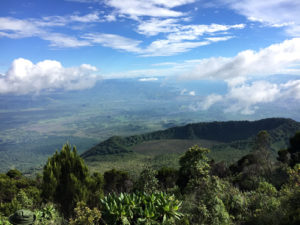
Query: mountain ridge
x=228, y=132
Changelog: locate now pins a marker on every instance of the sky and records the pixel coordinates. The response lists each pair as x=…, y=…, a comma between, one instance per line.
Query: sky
x=251, y=45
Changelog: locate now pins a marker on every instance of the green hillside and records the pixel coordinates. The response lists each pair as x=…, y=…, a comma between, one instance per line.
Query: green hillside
x=219, y=136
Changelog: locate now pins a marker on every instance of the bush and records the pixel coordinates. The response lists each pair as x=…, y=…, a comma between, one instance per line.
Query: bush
x=140, y=208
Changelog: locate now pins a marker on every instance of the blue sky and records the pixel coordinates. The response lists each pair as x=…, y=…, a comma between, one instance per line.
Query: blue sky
x=49, y=44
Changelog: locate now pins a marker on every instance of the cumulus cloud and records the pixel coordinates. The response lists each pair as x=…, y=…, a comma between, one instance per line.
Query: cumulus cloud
x=275, y=59
x=276, y=13
x=26, y=77
x=291, y=89
x=245, y=98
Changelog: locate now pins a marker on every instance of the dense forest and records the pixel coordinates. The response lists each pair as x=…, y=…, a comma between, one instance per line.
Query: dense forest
x=253, y=190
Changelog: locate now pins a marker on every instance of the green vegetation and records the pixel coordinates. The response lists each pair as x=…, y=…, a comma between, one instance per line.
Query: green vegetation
x=253, y=190
x=141, y=208
x=232, y=141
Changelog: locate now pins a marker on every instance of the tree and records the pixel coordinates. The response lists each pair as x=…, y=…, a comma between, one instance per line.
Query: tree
x=167, y=177
x=14, y=173
x=147, y=181
x=194, y=164
x=65, y=179
x=262, y=142
x=294, y=149
x=262, y=151
x=117, y=181
x=291, y=155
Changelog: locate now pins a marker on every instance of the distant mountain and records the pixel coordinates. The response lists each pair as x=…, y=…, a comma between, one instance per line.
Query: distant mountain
x=235, y=134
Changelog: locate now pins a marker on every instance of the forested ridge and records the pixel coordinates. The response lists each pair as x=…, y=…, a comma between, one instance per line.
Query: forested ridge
x=255, y=190
x=280, y=129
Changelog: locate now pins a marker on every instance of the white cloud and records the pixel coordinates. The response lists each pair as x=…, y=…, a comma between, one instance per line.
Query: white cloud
x=192, y=93
x=246, y=97
x=114, y=41
x=275, y=59
x=180, y=38
x=179, y=31
x=270, y=12
x=154, y=8
x=42, y=28
x=64, y=41
x=15, y=28
x=148, y=79
x=25, y=77
x=167, y=48
x=183, y=91
x=155, y=26
x=160, y=47
x=209, y=101
x=186, y=92
x=164, y=64
x=217, y=39
x=291, y=89
x=193, y=32
x=110, y=18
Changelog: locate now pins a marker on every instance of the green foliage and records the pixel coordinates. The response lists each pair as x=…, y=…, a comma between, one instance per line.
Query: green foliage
x=65, y=179
x=17, y=192
x=147, y=181
x=96, y=183
x=290, y=197
x=243, y=197
x=117, y=181
x=264, y=205
x=262, y=142
x=113, y=145
x=140, y=208
x=256, y=166
x=204, y=204
x=4, y=220
x=14, y=173
x=293, y=151
x=231, y=133
x=85, y=216
x=48, y=215
x=167, y=177
x=193, y=165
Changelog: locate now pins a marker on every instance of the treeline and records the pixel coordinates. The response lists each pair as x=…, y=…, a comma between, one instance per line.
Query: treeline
x=253, y=191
